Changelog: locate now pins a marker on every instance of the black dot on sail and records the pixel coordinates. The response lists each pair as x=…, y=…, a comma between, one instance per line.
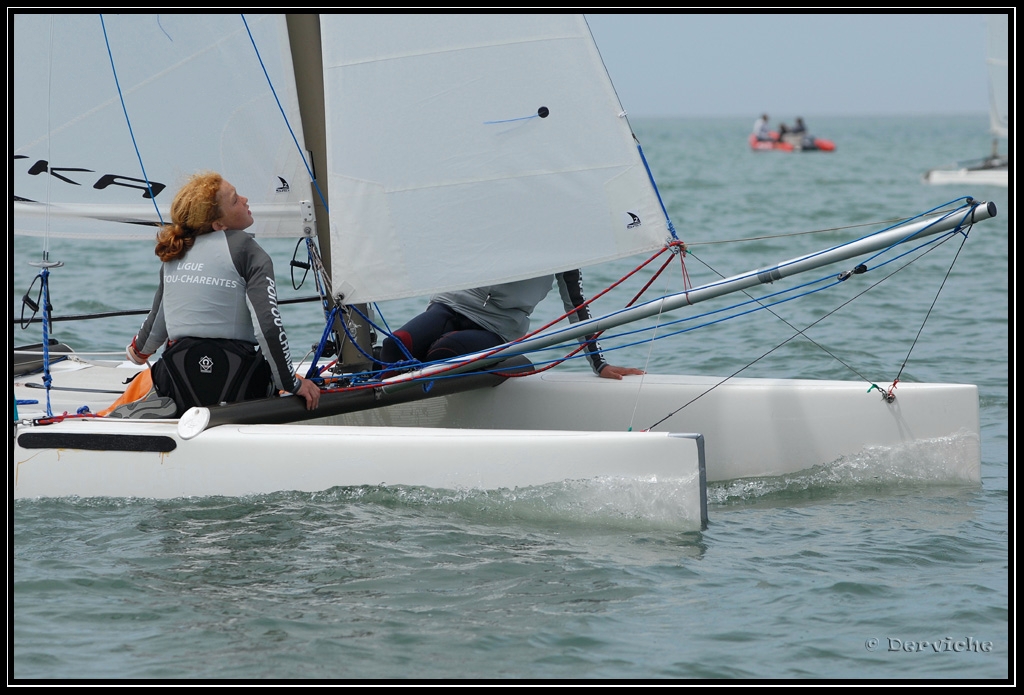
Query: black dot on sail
x=543, y=112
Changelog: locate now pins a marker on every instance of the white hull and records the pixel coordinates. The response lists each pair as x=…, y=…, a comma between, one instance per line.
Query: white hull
x=106, y=457
x=751, y=427
x=238, y=460
x=980, y=177
x=553, y=427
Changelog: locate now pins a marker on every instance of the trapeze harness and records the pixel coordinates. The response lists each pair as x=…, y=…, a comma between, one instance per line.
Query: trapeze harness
x=208, y=371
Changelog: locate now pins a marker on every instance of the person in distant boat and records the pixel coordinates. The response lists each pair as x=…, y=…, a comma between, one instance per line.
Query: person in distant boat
x=467, y=321
x=799, y=135
x=762, y=131
x=216, y=282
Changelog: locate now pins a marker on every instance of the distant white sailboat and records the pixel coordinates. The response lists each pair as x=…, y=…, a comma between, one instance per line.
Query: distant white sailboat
x=432, y=136
x=992, y=170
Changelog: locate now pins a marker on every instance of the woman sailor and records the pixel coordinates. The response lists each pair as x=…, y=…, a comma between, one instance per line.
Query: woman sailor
x=216, y=284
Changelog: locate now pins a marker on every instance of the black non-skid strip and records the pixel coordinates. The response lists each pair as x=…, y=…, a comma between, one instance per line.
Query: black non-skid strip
x=96, y=442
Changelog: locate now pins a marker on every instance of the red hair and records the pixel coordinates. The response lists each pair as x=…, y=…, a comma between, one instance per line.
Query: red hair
x=193, y=212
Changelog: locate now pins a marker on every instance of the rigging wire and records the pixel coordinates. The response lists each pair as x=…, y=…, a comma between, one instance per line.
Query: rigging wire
x=932, y=306
x=650, y=347
x=125, y=312
x=933, y=243
x=768, y=237
x=44, y=264
x=277, y=100
x=486, y=355
x=887, y=395
x=676, y=247
x=657, y=192
x=322, y=277
x=49, y=141
x=128, y=120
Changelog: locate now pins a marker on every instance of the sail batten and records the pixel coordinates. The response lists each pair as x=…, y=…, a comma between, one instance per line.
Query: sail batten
x=125, y=222
x=196, y=97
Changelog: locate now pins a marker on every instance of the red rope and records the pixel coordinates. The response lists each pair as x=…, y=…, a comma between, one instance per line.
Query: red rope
x=686, y=285
x=673, y=246
x=890, y=395
x=613, y=286
x=54, y=419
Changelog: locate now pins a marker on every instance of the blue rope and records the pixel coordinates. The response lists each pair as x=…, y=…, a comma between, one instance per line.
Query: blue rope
x=966, y=209
x=512, y=120
x=131, y=132
x=333, y=316
x=318, y=353
x=47, y=378
x=668, y=220
x=329, y=313
x=386, y=330
x=291, y=131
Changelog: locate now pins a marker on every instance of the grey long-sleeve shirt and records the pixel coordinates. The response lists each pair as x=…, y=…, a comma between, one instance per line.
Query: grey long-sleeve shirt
x=221, y=288
x=505, y=309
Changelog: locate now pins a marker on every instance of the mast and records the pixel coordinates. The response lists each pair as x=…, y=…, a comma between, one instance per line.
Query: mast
x=307, y=59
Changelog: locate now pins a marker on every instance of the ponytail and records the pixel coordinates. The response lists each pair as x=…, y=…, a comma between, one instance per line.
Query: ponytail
x=193, y=213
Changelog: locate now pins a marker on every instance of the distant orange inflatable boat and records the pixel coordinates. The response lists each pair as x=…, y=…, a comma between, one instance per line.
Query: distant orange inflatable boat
x=792, y=143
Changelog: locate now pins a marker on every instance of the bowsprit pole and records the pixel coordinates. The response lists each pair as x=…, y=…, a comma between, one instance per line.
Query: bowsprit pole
x=965, y=216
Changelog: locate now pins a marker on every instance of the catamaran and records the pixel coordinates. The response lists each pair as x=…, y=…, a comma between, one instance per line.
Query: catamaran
x=993, y=169
x=390, y=146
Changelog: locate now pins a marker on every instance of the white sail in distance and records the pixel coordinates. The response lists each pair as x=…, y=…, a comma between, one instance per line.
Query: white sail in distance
x=998, y=63
x=468, y=150
x=197, y=97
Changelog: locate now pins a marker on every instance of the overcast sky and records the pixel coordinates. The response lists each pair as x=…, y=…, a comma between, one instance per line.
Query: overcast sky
x=789, y=64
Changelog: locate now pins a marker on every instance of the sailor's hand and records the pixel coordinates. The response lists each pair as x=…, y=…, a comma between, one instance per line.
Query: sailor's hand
x=134, y=355
x=610, y=371
x=309, y=391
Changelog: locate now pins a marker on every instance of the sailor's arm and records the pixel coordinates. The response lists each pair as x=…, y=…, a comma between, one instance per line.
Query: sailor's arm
x=570, y=287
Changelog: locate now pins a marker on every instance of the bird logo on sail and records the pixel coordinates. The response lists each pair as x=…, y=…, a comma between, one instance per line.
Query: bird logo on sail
x=635, y=223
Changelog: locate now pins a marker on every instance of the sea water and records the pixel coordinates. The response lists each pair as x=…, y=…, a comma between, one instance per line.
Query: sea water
x=818, y=575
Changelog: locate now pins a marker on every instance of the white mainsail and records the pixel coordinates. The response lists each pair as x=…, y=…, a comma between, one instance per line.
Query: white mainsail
x=196, y=97
x=999, y=74
x=466, y=150
x=992, y=169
